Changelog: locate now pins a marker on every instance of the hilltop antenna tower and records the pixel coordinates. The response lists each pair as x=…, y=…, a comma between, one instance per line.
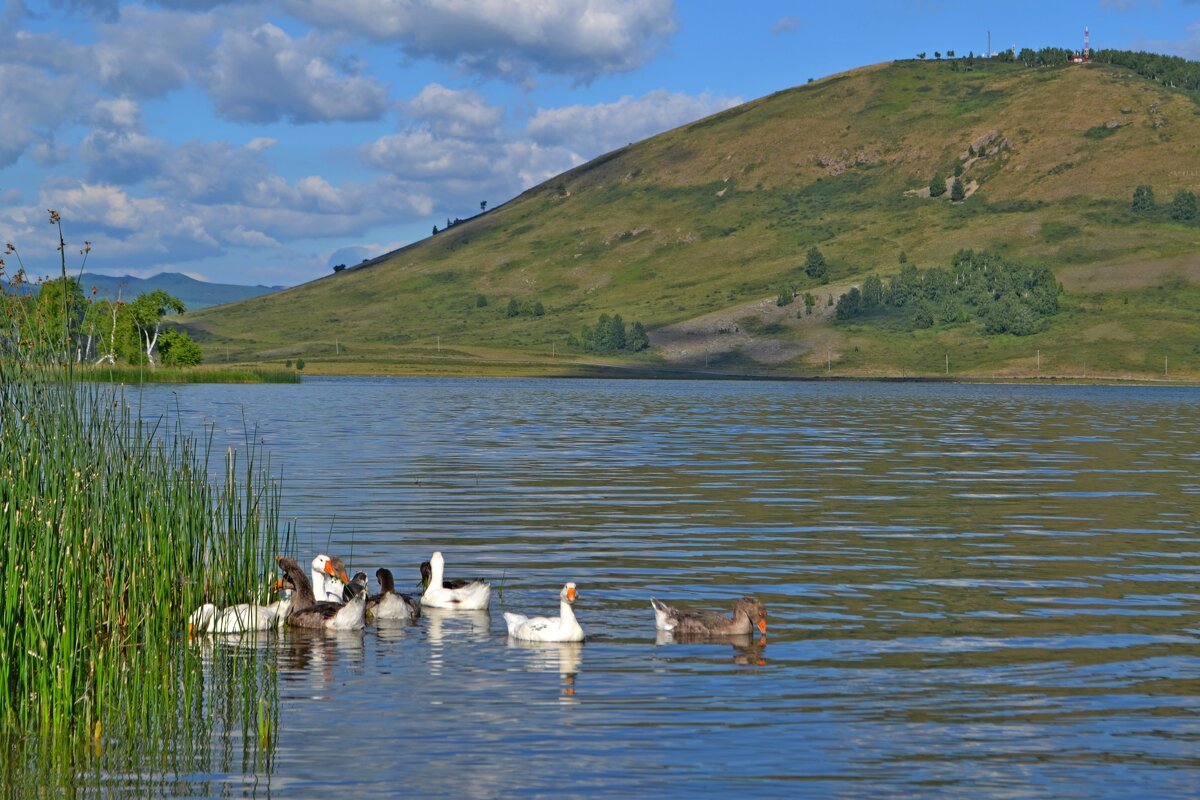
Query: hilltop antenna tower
x=989, y=50
x=1087, y=48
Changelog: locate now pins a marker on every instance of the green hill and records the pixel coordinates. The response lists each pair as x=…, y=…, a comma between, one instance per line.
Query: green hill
x=696, y=231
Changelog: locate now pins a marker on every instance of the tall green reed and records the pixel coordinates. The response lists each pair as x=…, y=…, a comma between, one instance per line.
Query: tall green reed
x=112, y=530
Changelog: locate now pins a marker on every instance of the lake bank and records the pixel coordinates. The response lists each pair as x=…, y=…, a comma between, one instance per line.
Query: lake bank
x=451, y=366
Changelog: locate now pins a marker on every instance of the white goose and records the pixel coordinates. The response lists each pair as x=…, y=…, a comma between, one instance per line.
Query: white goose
x=563, y=628
x=329, y=579
x=463, y=595
x=238, y=619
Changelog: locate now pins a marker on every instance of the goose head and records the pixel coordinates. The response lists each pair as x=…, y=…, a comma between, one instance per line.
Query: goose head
x=753, y=608
x=201, y=619
x=568, y=593
x=328, y=576
x=356, y=586
x=387, y=583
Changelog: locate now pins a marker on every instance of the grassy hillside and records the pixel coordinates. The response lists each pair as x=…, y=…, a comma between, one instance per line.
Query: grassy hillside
x=694, y=232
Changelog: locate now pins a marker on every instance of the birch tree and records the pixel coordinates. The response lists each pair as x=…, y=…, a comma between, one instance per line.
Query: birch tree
x=146, y=314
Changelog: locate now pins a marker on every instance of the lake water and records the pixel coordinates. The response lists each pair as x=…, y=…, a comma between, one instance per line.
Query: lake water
x=984, y=591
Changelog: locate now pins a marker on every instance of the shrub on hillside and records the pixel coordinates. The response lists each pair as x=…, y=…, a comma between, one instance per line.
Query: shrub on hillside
x=1143, y=199
x=1183, y=207
x=815, y=266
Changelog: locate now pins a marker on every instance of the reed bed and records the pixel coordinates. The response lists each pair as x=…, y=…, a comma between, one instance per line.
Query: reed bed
x=112, y=530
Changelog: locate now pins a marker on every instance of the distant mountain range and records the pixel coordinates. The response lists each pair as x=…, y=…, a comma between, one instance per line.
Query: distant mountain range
x=194, y=294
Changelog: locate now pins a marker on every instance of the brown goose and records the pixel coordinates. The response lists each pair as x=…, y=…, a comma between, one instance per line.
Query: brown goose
x=306, y=612
x=390, y=604
x=748, y=612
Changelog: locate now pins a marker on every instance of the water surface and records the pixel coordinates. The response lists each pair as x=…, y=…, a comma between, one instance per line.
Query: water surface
x=973, y=590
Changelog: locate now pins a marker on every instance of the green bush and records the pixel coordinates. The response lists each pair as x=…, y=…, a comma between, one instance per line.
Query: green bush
x=1143, y=199
x=815, y=266
x=178, y=349
x=1183, y=207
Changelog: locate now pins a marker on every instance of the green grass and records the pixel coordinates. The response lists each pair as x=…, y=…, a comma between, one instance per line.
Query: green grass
x=127, y=374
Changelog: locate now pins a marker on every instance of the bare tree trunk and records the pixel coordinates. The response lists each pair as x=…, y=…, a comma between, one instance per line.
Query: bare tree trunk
x=150, y=342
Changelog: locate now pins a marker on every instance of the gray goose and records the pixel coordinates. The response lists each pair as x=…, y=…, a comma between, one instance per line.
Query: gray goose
x=748, y=613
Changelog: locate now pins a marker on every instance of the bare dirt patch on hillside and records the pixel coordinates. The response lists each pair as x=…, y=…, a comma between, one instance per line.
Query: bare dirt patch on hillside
x=760, y=330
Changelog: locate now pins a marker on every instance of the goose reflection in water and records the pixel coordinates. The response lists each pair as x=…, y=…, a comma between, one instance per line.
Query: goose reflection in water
x=311, y=655
x=747, y=651
x=550, y=656
x=443, y=625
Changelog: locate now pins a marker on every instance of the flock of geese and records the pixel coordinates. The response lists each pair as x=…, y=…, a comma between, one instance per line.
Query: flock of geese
x=328, y=598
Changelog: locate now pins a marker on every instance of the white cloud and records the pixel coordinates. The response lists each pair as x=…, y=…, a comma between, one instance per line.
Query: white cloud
x=511, y=38
x=33, y=104
x=421, y=154
x=241, y=236
x=124, y=157
x=116, y=113
x=147, y=52
x=102, y=204
x=590, y=130
x=456, y=112
x=265, y=75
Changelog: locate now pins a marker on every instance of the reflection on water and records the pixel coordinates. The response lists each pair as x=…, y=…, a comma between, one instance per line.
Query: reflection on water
x=561, y=657
x=983, y=591
x=747, y=650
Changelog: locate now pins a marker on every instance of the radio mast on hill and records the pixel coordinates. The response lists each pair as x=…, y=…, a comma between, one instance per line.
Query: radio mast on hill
x=1087, y=49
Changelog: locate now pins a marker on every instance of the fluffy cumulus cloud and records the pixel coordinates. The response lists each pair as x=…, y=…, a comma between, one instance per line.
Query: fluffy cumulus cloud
x=149, y=52
x=514, y=38
x=459, y=113
x=264, y=75
x=171, y=125
x=590, y=130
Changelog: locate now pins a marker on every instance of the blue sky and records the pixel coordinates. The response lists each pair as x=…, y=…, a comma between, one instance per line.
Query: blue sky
x=264, y=142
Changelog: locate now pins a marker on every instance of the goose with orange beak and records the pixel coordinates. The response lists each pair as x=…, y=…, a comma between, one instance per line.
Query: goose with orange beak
x=329, y=578
x=748, y=613
x=563, y=628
